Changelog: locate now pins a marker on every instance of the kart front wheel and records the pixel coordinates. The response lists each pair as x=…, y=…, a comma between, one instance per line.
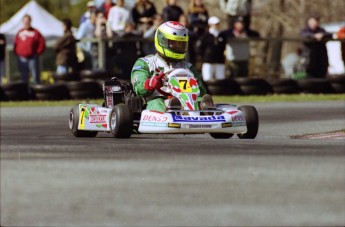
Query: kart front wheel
x=221, y=135
x=74, y=122
x=252, y=121
x=121, y=121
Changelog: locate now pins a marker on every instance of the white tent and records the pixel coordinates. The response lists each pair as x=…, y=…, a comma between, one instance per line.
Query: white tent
x=42, y=20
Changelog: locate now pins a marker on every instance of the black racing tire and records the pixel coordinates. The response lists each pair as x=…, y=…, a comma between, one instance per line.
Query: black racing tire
x=286, y=89
x=338, y=87
x=252, y=121
x=61, y=77
x=84, y=95
x=82, y=85
x=315, y=86
x=223, y=87
x=14, y=95
x=15, y=86
x=221, y=135
x=3, y=96
x=121, y=121
x=283, y=82
x=50, y=92
x=254, y=86
x=95, y=75
x=73, y=124
x=337, y=79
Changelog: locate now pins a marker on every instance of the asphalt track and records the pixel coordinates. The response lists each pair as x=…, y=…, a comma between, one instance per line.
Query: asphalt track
x=50, y=178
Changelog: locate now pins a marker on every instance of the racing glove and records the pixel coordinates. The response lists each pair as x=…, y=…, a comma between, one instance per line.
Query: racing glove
x=155, y=82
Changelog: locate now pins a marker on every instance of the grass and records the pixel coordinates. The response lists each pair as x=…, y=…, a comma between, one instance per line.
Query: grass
x=217, y=99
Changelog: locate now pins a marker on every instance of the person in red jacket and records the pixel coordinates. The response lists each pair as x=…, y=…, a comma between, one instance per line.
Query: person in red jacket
x=29, y=44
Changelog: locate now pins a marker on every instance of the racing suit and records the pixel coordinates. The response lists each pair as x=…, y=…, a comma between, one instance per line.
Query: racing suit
x=146, y=67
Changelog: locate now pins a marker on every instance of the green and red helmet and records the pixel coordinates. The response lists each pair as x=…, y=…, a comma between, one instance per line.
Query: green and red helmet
x=171, y=40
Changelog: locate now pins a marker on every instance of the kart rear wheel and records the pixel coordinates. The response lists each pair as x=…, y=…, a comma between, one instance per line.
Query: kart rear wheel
x=252, y=121
x=73, y=124
x=221, y=135
x=121, y=121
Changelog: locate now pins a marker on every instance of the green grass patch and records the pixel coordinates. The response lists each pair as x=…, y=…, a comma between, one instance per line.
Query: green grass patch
x=217, y=99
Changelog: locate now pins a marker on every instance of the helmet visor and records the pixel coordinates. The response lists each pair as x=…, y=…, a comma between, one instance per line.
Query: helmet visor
x=178, y=46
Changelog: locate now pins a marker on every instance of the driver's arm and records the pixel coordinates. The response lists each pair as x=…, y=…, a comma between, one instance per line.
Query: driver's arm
x=140, y=73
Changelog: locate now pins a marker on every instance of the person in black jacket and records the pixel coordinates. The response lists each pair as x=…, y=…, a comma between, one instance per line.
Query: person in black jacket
x=2, y=56
x=314, y=50
x=212, y=46
x=172, y=11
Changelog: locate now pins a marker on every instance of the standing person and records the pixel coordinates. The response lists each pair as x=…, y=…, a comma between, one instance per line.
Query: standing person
x=236, y=8
x=66, y=58
x=143, y=13
x=314, y=50
x=2, y=56
x=212, y=46
x=118, y=18
x=341, y=35
x=29, y=44
x=198, y=16
x=149, y=47
x=172, y=11
x=193, y=37
x=87, y=30
x=105, y=7
x=171, y=42
x=237, y=48
x=91, y=7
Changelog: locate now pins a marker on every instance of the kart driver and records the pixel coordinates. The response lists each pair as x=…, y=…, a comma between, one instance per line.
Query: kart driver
x=171, y=42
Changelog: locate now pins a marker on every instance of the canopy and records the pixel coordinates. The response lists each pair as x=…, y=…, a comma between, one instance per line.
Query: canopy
x=42, y=20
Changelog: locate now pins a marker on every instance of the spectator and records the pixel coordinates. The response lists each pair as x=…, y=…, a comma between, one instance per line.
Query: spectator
x=118, y=17
x=193, y=37
x=341, y=35
x=237, y=50
x=149, y=47
x=105, y=7
x=66, y=58
x=91, y=7
x=314, y=50
x=198, y=16
x=29, y=44
x=126, y=53
x=2, y=56
x=172, y=11
x=87, y=30
x=293, y=64
x=102, y=29
x=236, y=8
x=212, y=47
x=143, y=12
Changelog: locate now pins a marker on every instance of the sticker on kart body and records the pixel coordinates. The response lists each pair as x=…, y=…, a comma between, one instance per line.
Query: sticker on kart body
x=153, y=124
x=238, y=118
x=177, y=118
x=200, y=126
x=154, y=118
x=97, y=119
x=227, y=125
x=174, y=125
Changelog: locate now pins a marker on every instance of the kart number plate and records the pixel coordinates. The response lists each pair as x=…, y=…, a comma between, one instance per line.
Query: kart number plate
x=184, y=85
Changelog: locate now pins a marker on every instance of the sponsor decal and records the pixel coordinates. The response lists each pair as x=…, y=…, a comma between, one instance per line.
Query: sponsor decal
x=232, y=112
x=137, y=67
x=237, y=124
x=97, y=119
x=199, y=126
x=154, y=118
x=82, y=116
x=177, y=118
x=226, y=125
x=153, y=124
x=174, y=125
x=238, y=118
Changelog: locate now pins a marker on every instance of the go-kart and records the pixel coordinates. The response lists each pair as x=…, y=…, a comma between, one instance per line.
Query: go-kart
x=124, y=113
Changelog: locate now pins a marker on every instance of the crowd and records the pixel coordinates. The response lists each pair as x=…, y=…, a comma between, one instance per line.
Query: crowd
x=110, y=20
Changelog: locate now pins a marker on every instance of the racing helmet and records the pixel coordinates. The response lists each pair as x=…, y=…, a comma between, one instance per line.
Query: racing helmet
x=171, y=40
